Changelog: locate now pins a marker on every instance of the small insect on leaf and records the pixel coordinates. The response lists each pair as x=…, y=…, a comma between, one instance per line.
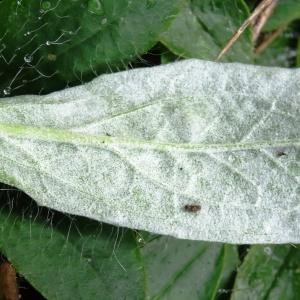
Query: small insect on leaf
x=280, y=153
x=192, y=208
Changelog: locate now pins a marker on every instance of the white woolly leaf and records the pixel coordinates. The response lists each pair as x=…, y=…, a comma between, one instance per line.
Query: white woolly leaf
x=194, y=149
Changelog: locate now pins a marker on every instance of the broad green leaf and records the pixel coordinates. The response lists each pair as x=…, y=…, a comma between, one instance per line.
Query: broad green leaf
x=298, y=54
x=203, y=27
x=47, y=44
x=66, y=258
x=285, y=12
x=138, y=148
x=269, y=273
x=279, y=52
x=180, y=269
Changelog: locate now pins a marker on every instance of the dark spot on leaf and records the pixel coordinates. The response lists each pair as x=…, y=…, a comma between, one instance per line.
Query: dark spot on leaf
x=192, y=208
x=107, y=134
x=180, y=168
x=280, y=153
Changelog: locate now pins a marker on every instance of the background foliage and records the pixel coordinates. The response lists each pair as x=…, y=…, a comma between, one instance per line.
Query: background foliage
x=49, y=45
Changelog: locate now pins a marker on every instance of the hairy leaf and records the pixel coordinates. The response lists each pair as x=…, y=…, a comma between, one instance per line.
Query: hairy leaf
x=47, y=44
x=194, y=149
x=191, y=269
x=269, y=272
x=203, y=27
x=63, y=256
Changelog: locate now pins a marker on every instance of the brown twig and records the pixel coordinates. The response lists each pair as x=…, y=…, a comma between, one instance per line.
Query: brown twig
x=257, y=11
x=268, y=39
x=8, y=282
x=261, y=20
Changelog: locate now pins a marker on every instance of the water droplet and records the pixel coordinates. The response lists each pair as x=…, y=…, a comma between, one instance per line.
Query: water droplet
x=104, y=21
x=46, y=5
x=27, y=33
x=268, y=250
x=95, y=7
x=28, y=58
x=48, y=43
x=150, y=3
x=89, y=260
x=223, y=291
x=7, y=91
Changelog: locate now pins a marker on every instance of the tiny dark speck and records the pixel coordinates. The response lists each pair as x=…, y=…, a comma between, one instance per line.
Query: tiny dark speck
x=192, y=208
x=180, y=168
x=107, y=134
x=280, y=153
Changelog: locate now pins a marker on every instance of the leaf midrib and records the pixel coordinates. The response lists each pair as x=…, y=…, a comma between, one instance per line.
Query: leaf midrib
x=64, y=136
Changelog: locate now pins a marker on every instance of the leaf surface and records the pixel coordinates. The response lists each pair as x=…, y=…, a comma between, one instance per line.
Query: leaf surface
x=202, y=28
x=187, y=269
x=47, y=44
x=285, y=12
x=62, y=255
x=269, y=272
x=139, y=148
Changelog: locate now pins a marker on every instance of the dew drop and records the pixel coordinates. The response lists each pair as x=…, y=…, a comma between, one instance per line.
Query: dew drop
x=46, y=5
x=7, y=91
x=48, y=43
x=223, y=291
x=95, y=7
x=28, y=58
x=104, y=21
x=268, y=250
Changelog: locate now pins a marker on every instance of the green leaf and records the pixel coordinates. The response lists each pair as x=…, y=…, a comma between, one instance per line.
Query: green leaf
x=279, y=52
x=194, y=149
x=285, y=12
x=269, y=272
x=203, y=27
x=63, y=256
x=180, y=269
x=47, y=44
x=298, y=54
